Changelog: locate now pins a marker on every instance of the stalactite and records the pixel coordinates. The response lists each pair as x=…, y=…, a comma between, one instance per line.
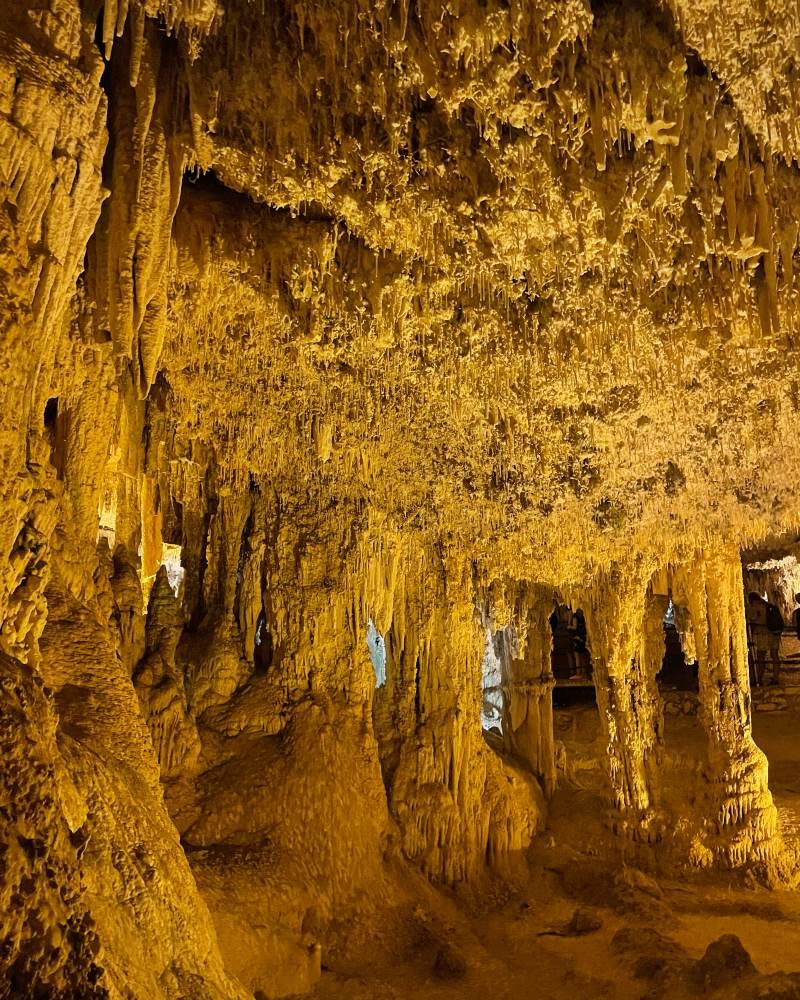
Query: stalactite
x=146, y=185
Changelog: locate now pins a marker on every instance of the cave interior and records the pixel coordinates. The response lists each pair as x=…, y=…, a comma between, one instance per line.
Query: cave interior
x=399, y=504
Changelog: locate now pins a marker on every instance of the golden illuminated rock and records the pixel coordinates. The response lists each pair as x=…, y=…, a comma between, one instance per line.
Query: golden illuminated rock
x=348, y=348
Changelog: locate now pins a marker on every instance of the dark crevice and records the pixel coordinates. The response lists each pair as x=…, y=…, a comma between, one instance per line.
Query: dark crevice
x=244, y=555
x=210, y=184
x=417, y=699
x=106, y=86
x=51, y=414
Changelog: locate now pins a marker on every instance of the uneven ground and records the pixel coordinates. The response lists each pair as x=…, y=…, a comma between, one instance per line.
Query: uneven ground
x=499, y=933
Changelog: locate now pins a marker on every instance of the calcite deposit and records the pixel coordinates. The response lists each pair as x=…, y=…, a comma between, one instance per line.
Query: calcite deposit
x=358, y=359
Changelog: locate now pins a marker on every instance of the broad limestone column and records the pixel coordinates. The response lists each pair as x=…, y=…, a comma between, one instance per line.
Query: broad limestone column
x=458, y=804
x=620, y=615
x=741, y=822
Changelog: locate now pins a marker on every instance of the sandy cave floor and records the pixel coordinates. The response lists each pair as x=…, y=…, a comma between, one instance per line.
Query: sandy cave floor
x=573, y=865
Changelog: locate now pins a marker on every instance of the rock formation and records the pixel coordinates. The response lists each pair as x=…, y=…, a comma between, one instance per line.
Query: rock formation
x=317, y=318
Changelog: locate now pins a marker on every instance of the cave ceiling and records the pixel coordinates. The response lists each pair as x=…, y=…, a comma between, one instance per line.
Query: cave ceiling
x=517, y=276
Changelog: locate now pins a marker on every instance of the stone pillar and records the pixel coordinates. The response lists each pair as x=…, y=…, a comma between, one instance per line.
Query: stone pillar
x=129, y=607
x=459, y=805
x=128, y=525
x=160, y=686
x=623, y=629
x=528, y=689
x=313, y=608
x=152, y=540
x=226, y=537
x=216, y=666
x=741, y=820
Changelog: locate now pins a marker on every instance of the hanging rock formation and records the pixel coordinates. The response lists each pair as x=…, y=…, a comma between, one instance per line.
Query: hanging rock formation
x=317, y=318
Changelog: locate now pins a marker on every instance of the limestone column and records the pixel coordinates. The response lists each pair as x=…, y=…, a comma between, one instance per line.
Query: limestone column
x=216, y=667
x=223, y=554
x=160, y=685
x=528, y=688
x=741, y=820
x=313, y=608
x=128, y=527
x=250, y=599
x=129, y=607
x=193, y=552
x=459, y=805
x=622, y=622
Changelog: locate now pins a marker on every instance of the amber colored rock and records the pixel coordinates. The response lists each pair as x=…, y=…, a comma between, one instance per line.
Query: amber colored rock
x=347, y=348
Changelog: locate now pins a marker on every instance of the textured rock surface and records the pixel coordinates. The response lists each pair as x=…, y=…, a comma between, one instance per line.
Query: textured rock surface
x=325, y=320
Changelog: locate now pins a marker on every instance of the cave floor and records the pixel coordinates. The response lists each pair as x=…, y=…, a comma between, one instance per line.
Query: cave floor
x=498, y=929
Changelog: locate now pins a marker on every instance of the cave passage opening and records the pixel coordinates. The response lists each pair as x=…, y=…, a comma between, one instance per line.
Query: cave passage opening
x=107, y=518
x=262, y=645
x=772, y=610
x=377, y=653
x=571, y=658
x=492, y=681
x=771, y=583
x=678, y=674
x=171, y=560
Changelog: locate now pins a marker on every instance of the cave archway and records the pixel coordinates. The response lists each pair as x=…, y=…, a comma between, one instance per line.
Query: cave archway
x=571, y=658
x=678, y=671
